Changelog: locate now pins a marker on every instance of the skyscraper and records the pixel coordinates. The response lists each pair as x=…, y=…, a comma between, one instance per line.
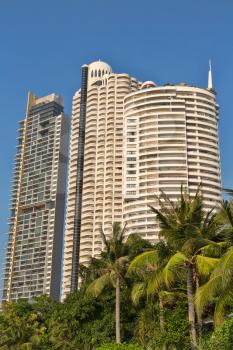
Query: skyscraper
x=171, y=139
x=96, y=165
x=129, y=142
x=34, y=251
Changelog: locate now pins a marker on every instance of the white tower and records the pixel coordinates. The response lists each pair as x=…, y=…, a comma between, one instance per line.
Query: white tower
x=171, y=138
x=102, y=200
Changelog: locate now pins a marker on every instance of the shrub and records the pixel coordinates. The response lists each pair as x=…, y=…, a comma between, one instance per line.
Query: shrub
x=120, y=347
x=222, y=337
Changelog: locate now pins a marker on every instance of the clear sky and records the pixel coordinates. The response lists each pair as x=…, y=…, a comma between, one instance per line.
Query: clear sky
x=44, y=43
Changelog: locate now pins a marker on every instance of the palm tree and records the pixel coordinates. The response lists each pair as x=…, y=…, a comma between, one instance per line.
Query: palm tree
x=225, y=218
x=113, y=270
x=189, y=231
x=219, y=287
x=149, y=266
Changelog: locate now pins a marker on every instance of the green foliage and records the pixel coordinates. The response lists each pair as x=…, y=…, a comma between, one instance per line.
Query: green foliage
x=176, y=335
x=222, y=337
x=218, y=289
x=24, y=325
x=153, y=293
x=111, y=346
x=82, y=322
x=136, y=245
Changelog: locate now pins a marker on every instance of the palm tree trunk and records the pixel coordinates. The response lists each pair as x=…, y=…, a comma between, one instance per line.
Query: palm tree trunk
x=199, y=318
x=191, y=310
x=161, y=314
x=118, y=306
x=161, y=317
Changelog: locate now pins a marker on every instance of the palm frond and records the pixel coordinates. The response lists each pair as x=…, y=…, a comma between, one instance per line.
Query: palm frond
x=206, y=293
x=213, y=249
x=166, y=203
x=97, y=286
x=225, y=267
x=155, y=282
x=171, y=269
x=223, y=301
x=122, y=261
x=116, y=229
x=227, y=213
x=104, y=238
x=138, y=291
x=205, y=265
x=163, y=219
x=112, y=276
x=194, y=244
x=144, y=260
x=208, y=217
x=220, y=281
x=122, y=233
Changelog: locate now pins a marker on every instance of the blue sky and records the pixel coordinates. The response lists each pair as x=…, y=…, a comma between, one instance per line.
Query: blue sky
x=44, y=43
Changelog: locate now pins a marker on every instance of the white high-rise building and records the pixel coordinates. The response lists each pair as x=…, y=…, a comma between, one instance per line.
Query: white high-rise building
x=129, y=142
x=96, y=165
x=171, y=139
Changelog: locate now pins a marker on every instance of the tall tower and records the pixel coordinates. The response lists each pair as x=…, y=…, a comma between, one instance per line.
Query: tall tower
x=96, y=162
x=34, y=252
x=171, y=138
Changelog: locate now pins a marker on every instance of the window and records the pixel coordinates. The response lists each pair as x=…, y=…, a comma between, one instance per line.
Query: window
x=131, y=192
x=131, y=139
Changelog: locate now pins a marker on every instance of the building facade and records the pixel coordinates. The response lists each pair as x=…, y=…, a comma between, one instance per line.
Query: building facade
x=97, y=112
x=34, y=251
x=171, y=139
x=129, y=142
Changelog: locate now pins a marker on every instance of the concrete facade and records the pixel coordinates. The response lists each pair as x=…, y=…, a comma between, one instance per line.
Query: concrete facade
x=140, y=139
x=171, y=139
x=102, y=200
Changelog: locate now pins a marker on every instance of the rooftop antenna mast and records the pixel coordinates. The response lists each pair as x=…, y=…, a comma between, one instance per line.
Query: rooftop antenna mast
x=210, y=80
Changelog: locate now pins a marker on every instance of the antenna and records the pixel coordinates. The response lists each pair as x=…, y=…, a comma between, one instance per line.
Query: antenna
x=210, y=80
x=210, y=68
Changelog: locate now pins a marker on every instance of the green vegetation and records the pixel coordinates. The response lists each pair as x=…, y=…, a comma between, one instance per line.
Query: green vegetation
x=120, y=347
x=222, y=338
x=176, y=294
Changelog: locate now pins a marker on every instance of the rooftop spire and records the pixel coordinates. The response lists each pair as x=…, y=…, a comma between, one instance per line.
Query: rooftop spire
x=210, y=81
